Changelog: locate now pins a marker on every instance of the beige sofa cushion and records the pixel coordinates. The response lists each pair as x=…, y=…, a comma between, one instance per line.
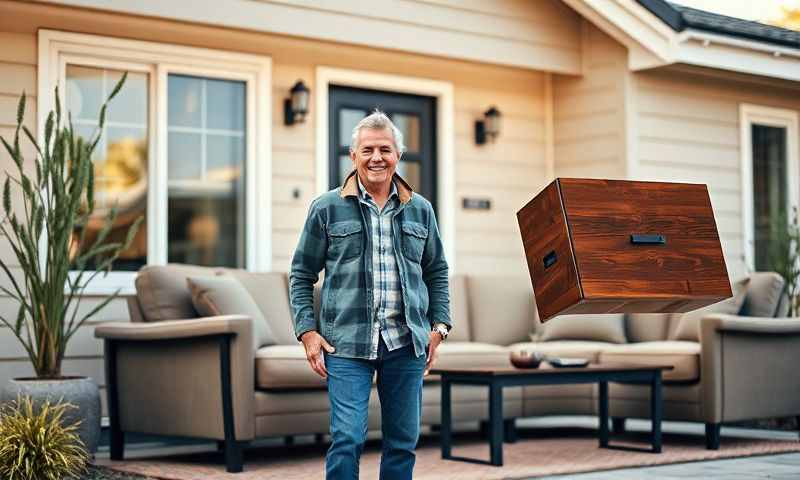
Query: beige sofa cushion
x=597, y=328
x=684, y=357
x=501, y=308
x=285, y=367
x=471, y=354
x=223, y=295
x=763, y=295
x=459, y=310
x=689, y=323
x=163, y=293
x=565, y=348
x=647, y=327
x=270, y=291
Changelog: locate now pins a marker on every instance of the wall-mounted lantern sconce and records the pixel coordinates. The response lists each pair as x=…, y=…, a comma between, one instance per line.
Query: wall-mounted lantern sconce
x=489, y=127
x=295, y=108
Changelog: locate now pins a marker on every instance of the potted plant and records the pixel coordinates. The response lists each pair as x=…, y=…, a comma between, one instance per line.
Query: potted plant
x=46, y=230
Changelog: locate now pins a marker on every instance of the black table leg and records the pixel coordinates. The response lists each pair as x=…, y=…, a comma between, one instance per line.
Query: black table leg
x=496, y=424
x=655, y=410
x=603, y=414
x=446, y=426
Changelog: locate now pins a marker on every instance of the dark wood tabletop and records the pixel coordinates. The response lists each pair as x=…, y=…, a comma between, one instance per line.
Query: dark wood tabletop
x=592, y=367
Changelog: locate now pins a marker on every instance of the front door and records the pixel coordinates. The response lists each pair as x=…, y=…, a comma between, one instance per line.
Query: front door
x=414, y=115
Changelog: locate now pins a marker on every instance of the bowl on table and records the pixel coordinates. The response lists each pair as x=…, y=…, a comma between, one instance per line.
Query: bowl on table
x=526, y=359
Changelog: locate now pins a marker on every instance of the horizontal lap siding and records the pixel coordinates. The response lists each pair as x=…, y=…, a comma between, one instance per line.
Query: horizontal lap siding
x=688, y=131
x=589, y=112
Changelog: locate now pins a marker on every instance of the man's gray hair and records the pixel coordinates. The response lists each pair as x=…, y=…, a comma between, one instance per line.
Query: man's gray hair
x=378, y=120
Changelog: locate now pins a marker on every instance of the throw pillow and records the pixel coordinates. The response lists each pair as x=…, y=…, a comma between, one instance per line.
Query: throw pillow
x=599, y=328
x=224, y=295
x=689, y=323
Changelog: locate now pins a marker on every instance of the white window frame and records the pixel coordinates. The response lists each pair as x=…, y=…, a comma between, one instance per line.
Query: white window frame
x=750, y=114
x=56, y=48
x=445, y=161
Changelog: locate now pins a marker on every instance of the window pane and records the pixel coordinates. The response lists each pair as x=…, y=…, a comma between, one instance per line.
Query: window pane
x=409, y=126
x=770, y=198
x=130, y=104
x=225, y=157
x=85, y=92
x=185, y=98
x=120, y=158
x=184, y=156
x=348, y=119
x=225, y=105
x=410, y=171
x=206, y=203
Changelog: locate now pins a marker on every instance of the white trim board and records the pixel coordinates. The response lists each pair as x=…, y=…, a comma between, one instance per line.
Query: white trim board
x=777, y=117
x=445, y=138
x=157, y=60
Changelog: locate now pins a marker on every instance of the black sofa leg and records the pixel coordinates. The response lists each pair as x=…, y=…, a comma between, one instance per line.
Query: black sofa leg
x=713, y=435
x=618, y=425
x=483, y=428
x=116, y=444
x=797, y=421
x=234, y=461
x=509, y=430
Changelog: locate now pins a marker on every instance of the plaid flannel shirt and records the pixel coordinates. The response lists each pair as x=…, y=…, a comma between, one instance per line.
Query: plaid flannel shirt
x=336, y=238
x=388, y=302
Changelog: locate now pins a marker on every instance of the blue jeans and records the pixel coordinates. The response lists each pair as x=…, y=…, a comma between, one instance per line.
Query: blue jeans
x=400, y=393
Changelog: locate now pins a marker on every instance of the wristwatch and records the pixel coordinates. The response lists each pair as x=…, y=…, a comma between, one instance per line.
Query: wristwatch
x=442, y=330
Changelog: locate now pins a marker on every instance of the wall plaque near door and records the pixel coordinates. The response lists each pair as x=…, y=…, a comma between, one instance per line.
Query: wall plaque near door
x=617, y=246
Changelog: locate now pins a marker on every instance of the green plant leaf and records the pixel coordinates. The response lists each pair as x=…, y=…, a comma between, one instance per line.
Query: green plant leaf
x=118, y=86
x=21, y=108
x=20, y=319
x=7, y=195
x=48, y=128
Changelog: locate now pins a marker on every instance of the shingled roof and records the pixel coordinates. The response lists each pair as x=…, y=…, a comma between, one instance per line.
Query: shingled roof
x=680, y=18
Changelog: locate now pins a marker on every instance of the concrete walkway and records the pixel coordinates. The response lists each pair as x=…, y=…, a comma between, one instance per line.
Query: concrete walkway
x=783, y=466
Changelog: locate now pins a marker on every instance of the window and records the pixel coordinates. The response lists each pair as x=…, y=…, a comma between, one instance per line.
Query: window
x=769, y=177
x=183, y=144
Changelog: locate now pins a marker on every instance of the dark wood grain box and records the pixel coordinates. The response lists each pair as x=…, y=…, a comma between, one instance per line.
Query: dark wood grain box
x=618, y=246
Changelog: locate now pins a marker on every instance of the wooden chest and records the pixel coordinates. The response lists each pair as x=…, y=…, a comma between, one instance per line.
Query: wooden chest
x=618, y=246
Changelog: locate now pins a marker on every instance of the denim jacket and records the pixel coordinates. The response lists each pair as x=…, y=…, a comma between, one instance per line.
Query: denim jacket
x=336, y=237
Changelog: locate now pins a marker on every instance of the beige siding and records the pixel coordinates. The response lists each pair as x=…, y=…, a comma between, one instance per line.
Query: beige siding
x=688, y=131
x=540, y=34
x=507, y=172
x=589, y=112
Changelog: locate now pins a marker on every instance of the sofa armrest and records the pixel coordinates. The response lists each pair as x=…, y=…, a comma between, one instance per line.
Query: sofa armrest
x=719, y=322
x=748, y=367
x=191, y=377
x=174, y=329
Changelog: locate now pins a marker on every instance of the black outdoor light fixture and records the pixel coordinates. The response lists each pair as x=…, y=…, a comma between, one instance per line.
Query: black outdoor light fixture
x=489, y=127
x=295, y=108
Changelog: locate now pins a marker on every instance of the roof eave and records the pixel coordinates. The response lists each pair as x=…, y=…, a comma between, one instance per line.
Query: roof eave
x=652, y=43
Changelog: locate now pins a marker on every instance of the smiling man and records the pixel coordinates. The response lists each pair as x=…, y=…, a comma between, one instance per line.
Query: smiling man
x=385, y=302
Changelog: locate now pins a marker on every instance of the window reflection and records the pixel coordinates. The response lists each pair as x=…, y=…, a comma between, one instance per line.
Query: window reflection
x=120, y=158
x=207, y=150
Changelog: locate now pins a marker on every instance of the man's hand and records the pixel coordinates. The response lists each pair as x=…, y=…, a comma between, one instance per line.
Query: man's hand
x=435, y=340
x=314, y=343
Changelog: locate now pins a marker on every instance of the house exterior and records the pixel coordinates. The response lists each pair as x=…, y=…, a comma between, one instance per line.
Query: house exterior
x=622, y=89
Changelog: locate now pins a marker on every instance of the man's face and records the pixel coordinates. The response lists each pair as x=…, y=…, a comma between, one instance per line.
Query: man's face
x=376, y=157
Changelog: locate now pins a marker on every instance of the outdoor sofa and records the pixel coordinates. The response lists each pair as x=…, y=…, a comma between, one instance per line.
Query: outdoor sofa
x=237, y=372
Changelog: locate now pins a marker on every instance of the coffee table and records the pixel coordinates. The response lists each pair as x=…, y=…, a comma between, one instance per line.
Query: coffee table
x=498, y=378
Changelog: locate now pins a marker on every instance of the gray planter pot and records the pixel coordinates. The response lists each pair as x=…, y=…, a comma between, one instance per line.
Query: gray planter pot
x=79, y=391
